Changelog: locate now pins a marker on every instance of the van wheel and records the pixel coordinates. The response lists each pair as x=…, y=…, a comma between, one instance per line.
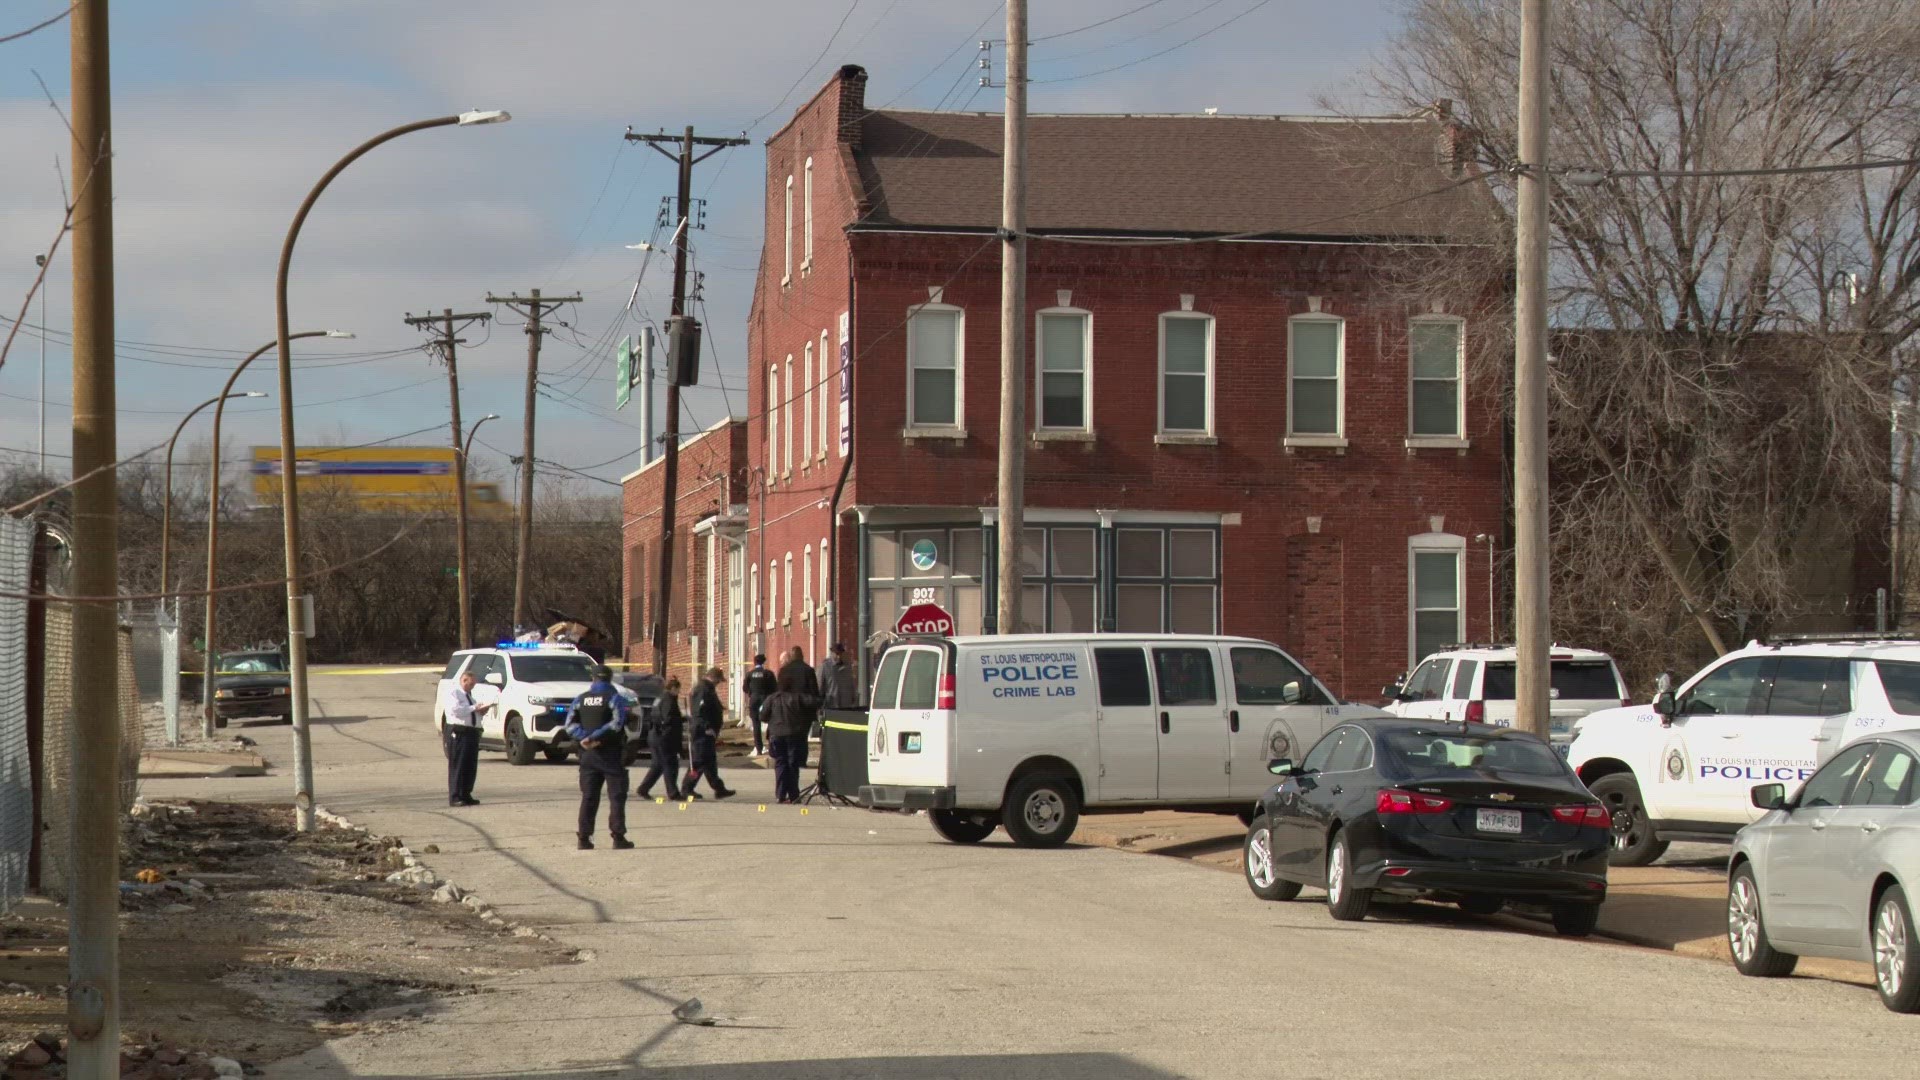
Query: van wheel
x=1633, y=841
x=519, y=747
x=1041, y=810
x=962, y=827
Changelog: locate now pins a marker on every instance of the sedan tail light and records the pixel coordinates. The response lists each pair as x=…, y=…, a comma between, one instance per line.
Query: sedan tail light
x=1592, y=815
x=1397, y=801
x=945, y=700
x=1476, y=712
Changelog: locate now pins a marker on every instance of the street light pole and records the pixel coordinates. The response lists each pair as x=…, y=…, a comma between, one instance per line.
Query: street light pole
x=460, y=535
x=166, y=482
x=1531, y=631
x=213, y=524
x=289, y=488
x=41, y=262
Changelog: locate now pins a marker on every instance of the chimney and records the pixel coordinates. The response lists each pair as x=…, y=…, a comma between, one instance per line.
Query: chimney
x=1456, y=141
x=853, y=103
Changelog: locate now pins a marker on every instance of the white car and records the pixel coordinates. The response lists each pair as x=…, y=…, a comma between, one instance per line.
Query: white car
x=531, y=686
x=1682, y=767
x=1474, y=684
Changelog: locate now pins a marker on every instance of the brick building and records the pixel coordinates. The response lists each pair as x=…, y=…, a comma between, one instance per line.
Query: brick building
x=1237, y=436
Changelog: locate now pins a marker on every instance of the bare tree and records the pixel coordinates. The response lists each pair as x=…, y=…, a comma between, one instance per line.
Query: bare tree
x=1729, y=347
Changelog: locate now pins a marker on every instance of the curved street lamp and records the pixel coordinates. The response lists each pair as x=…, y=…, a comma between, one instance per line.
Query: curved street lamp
x=289, y=489
x=213, y=520
x=460, y=534
x=166, y=481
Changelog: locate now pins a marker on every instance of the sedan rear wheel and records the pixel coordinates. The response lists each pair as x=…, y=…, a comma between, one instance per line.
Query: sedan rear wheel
x=1257, y=862
x=1345, y=901
x=1896, y=952
x=1753, y=954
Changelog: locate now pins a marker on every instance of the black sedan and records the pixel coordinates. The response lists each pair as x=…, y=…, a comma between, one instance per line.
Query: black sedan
x=1474, y=815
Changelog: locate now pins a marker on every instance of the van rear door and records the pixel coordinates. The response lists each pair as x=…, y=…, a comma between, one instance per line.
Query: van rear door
x=908, y=737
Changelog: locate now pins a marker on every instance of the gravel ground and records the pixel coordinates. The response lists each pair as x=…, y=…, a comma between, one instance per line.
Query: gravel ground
x=244, y=939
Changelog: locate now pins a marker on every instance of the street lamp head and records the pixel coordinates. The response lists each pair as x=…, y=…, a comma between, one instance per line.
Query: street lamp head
x=39, y=260
x=640, y=247
x=254, y=393
x=491, y=416
x=484, y=116
x=339, y=333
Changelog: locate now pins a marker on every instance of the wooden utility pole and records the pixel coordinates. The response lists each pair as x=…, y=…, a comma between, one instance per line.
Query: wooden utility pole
x=93, y=905
x=1013, y=326
x=535, y=309
x=444, y=345
x=1532, y=634
x=683, y=156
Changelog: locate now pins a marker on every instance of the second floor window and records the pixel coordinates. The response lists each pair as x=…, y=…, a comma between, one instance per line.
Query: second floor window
x=786, y=230
x=773, y=421
x=826, y=384
x=1314, y=351
x=1186, y=374
x=1064, y=351
x=806, y=441
x=933, y=367
x=806, y=218
x=1434, y=348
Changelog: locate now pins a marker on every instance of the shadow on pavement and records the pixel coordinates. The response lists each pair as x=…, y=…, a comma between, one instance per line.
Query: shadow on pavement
x=1066, y=1066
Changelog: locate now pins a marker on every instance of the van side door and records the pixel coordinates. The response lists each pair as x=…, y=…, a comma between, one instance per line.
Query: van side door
x=1277, y=711
x=1194, y=748
x=1128, y=725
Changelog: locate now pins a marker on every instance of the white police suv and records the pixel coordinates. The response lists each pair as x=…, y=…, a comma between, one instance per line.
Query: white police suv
x=1475, y=684
x=530, y=686
x=1682, y=768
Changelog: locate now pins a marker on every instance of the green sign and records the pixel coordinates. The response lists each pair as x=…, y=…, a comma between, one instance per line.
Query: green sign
x=624, y=374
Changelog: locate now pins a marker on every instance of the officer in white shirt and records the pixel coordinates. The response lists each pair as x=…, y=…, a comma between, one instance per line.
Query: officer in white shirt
x=462, y=740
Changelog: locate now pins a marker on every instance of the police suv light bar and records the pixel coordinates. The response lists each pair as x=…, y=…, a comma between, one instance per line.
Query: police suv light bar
x=527, y=646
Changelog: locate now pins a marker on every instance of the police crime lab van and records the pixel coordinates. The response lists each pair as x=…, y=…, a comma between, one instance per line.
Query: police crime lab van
x=1683, y=767
x=1028, y=731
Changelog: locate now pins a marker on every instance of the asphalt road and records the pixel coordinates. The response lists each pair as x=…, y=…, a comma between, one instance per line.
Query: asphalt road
x=841, y=943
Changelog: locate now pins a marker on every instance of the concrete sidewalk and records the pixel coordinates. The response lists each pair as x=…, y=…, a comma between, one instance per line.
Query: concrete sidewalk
x=169, y=764
x=1678, y=908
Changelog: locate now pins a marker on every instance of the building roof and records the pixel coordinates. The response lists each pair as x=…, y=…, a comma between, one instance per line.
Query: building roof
x=1175, y=175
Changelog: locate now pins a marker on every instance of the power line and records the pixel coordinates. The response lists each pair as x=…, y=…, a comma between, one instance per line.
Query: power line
x=1156, y=55
x=835, y=36
x=1111, y=45
x=1591, y=177
x=1293, y=228
x=1091, y=26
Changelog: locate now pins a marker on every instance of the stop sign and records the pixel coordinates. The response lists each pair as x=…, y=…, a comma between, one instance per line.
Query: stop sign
x=925, y=619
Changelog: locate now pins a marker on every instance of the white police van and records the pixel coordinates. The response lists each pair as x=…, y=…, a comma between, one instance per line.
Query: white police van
x=1682, y=768
x=1029, y=731
x=530, y=685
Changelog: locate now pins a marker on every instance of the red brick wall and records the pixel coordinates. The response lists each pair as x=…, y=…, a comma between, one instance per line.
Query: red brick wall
x=711, y=479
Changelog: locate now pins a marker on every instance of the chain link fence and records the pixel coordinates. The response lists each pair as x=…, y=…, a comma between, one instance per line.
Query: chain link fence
x=16, y=766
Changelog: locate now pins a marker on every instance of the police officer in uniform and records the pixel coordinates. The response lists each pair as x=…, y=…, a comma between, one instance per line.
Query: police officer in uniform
x=599, y=725
x=704, y=738
x=665, y=731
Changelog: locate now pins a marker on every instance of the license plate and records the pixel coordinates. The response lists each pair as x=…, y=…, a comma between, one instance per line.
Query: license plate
x=1500, y=821
x=912, y=743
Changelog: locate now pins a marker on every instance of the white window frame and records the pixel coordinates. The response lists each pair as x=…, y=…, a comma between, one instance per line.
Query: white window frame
x=773, y=422
x=786, y=428
x=825, y=592
x=1086, y=372
x=773, y=591
x=959, y=369
x=1435, y=544
x=806, y=595
x=786, y=592
x=806, y=218
x=1160, y=378
x=786, y=230
x=1338, y=437
x=753, y=593
x=1459, y=436
x=826, y=397
x=806, y=410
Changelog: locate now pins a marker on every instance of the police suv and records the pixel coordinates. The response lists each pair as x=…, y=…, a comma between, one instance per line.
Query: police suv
x=1028, y=731
x=1682, y=767
x=530, y=685
x=1475, y=684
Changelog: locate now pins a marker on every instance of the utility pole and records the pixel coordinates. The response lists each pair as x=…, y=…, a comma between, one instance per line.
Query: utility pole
x=444, y=344
x=1532, y=634
x=41, y=262
x=535, y=309
x=684, y=157
x=93, y=905
x=1013, y=325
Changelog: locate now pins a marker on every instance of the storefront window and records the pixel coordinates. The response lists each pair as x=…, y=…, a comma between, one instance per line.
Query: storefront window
x=1137, y=552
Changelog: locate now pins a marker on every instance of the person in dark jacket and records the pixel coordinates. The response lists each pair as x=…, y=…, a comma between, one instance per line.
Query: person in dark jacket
x=708, y=716
x=796, y=663
x=790, y=716
x=665, y=730
x=759, y=684
x=836, y=680
x=597, y=721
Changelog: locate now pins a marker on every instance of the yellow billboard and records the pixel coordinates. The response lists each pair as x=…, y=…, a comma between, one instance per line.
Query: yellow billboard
x=386, y=478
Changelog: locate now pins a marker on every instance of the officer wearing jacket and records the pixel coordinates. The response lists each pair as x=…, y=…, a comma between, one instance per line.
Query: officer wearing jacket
x=665, y=730
x=708, y=716
x=598, y=723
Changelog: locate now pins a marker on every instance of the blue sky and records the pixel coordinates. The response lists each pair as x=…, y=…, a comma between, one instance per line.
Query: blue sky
x=226, y=111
